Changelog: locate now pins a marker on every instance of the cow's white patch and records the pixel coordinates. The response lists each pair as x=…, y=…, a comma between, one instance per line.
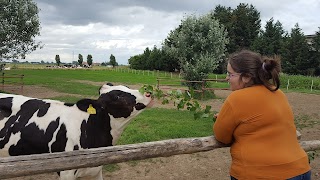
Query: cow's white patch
x=14, y=138
x=53, y=138
x=119, y=124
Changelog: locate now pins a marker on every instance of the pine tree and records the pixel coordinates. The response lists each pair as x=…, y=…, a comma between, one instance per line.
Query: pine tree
x=269, y=42
x=295, y=58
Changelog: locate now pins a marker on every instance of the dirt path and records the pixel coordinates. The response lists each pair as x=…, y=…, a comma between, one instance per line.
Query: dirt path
x=212, y=165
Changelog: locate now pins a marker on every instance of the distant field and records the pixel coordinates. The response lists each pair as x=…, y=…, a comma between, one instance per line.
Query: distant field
x=65, y=80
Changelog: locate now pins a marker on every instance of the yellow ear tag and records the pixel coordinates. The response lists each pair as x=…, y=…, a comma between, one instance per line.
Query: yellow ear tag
x=91, y=110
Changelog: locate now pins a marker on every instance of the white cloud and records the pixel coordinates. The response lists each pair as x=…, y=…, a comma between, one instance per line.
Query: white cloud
x=125, y=28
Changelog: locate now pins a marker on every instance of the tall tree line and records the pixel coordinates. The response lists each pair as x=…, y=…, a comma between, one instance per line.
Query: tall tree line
x=244, y=31
x=155, y=59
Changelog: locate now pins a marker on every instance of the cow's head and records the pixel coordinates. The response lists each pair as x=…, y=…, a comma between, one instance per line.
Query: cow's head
x=121, y=101
x=122, y=104
x=116, y=105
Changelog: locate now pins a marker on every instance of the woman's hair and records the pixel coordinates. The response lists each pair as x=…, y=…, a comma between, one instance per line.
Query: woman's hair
x=262, y=70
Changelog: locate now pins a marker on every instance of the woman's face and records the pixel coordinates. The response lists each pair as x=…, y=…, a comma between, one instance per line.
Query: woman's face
x=234, y=79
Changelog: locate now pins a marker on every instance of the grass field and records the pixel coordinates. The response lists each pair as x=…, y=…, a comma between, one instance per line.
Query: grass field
x=153, y=124
x=66, y=81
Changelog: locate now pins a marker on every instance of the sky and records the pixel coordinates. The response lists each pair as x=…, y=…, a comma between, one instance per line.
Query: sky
x=125, y=28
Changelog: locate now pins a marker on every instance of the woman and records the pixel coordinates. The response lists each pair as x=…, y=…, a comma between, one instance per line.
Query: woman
x=257, y=121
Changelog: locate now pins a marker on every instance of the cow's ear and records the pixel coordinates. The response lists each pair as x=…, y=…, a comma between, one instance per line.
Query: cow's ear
x=106, y=98
x=88, y=105
x=104, y=88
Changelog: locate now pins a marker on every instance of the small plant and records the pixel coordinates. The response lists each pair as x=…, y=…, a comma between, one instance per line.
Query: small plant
x=111, y=167
x=302, y=121
x=133, y=163
x=182, y=100
x=312, y=155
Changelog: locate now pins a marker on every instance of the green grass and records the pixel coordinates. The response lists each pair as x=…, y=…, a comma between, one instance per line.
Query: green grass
x=298, y=82
x=67, y=81
x=111, y=167
x=159, y=124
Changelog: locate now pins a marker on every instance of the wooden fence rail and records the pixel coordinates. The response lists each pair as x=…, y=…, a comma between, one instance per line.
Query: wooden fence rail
x=175, y=86
x=44, y=163
x=18, y=81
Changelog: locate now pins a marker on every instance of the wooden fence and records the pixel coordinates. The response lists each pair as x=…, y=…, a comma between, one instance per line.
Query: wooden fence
x=178, y=85
x=44, y=163
x=17, y=81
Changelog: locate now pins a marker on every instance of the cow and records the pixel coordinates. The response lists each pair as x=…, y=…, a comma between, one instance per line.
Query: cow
x=33, y=126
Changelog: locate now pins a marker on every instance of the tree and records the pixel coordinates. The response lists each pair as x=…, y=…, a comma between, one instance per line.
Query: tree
x=225, y=17
x=246, y=25
x=166, y=62
x=145, y=58
x=315, y=53
x=89, y=59
x=113, y=61
x=295, y=58
x=80, y=59
x=140, y=61
x=135, y=61
x=153, y=57
x=270, y=41
x=57, y=58
x=19, y=26
x=199, y=43
x=243, y=25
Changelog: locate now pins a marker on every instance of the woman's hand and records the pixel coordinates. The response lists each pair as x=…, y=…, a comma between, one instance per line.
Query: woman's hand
x=216, y=115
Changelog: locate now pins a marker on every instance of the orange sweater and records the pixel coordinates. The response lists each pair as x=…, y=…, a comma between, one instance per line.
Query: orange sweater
x=260, y=125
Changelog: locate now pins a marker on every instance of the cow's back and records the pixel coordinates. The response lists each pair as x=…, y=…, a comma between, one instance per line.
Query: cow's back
x=34, y=126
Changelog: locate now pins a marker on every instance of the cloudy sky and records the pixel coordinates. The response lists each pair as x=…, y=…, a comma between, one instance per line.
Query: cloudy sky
x=125, y=28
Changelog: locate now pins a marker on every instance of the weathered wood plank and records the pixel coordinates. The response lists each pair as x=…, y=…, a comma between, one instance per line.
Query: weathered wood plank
x=44, y=163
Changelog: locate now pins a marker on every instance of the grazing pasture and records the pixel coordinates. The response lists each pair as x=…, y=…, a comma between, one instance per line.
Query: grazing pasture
x=161, y=122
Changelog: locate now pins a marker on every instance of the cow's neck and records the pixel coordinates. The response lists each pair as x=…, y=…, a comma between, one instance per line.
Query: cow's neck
x=117, y=127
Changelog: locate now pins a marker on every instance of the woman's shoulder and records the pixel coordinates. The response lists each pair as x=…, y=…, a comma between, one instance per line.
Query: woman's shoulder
x=253, y=92
x=247, y=91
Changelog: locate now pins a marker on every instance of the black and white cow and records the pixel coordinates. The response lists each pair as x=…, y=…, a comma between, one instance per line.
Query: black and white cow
x=34, y=126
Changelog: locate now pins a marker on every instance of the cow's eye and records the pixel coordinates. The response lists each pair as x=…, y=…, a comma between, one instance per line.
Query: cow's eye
x=115, y=98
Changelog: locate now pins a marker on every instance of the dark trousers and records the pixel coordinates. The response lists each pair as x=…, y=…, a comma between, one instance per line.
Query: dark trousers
x=304, y=176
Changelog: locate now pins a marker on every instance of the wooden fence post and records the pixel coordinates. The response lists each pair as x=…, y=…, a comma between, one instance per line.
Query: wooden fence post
x=203, y=88
x=2, y=82
x=22, y=84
